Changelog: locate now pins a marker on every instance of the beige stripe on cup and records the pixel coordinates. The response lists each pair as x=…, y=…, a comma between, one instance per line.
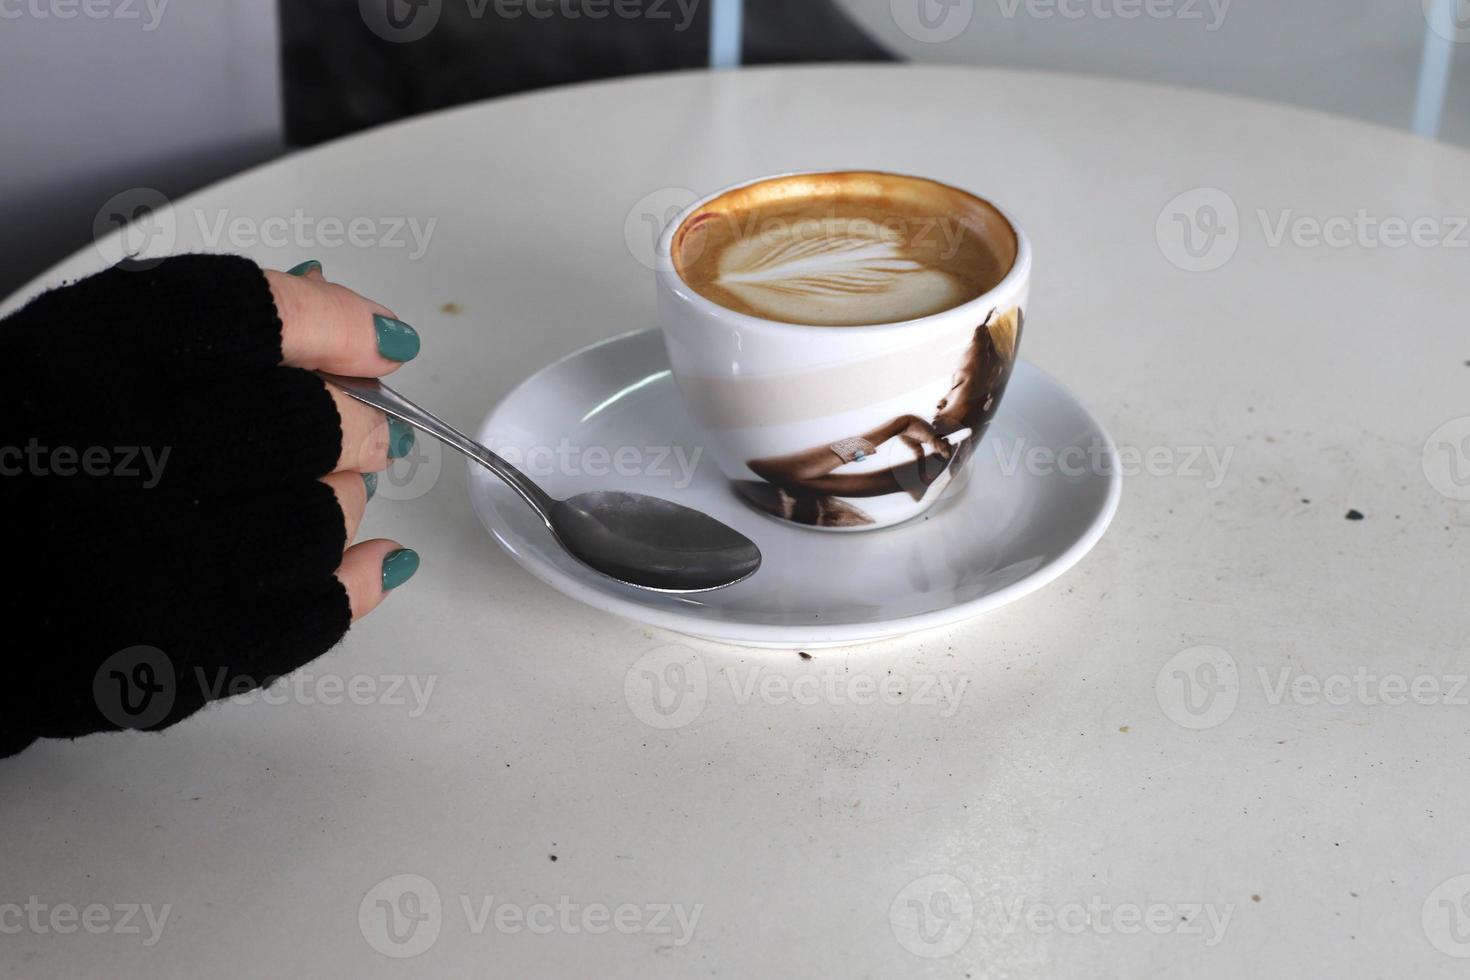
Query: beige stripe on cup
x=732, y=403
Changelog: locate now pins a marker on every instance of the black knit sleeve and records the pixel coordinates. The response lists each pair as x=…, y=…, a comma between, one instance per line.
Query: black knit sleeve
x=171, y=543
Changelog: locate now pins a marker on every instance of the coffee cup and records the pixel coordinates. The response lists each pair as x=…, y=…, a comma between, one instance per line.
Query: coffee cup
x=843, y=339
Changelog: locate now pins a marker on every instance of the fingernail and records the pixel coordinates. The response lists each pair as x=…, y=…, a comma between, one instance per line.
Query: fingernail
x=305, y=268
x=370, y=480
x=397, y=341
x=400, y=438
x=399, y=567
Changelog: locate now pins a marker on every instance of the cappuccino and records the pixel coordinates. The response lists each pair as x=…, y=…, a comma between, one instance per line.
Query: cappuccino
x=844, y=249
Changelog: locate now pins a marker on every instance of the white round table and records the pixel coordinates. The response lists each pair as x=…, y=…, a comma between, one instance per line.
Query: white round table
x=1200, y=753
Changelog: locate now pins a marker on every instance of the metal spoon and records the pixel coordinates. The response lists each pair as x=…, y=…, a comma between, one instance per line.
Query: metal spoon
x=638, y=540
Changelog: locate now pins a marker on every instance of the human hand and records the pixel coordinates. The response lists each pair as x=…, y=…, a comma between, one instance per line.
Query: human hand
x=921, y=437
x=221, y=482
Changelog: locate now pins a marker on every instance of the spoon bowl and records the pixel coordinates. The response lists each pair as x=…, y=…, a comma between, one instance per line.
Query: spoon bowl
x=652, y=543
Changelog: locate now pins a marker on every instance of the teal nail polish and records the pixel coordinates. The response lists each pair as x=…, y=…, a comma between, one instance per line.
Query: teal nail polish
x=370, y=480
x=309, y=266
x=400, y=438
x=397, y=341
x=399, y=567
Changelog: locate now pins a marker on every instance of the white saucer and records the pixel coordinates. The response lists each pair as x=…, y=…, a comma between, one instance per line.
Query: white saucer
x=990, y=542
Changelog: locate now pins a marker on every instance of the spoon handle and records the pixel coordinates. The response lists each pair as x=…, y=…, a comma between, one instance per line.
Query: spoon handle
x=371, y=391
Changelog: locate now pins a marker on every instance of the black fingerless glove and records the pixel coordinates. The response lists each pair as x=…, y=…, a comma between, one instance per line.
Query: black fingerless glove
x=170, y=541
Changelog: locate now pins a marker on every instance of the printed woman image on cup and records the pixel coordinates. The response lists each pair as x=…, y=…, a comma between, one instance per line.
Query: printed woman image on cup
x=843, y=339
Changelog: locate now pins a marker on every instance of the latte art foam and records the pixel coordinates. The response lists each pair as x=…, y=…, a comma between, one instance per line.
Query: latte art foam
x=844, y=249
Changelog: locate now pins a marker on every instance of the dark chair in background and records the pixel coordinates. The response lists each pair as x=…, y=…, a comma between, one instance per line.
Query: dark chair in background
x=340, y=76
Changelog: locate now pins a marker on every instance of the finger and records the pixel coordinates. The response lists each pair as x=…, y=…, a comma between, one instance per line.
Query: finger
x=370, y=439
x=328, y=327
x=289, y=432
x=352, y=490
x=254, y=649
x=373, y=569
x=310, y=269
x=312, y=521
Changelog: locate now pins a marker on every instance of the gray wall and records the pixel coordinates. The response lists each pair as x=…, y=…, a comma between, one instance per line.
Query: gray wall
x=1352, y=57
x=182, y=94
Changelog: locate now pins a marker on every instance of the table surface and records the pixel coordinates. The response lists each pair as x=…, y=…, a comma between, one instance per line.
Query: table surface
x=1192, y=756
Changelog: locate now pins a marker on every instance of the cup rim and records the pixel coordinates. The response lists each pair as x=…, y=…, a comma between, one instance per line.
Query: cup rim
x=669, y=275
